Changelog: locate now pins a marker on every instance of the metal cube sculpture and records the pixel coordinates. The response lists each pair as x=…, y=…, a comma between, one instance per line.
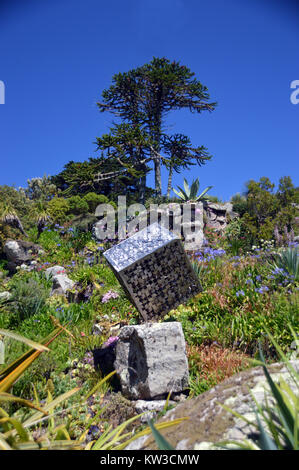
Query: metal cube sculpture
x=154, y=270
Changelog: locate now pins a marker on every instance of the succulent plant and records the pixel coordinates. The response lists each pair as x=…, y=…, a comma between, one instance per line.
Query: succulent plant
x=189, y=193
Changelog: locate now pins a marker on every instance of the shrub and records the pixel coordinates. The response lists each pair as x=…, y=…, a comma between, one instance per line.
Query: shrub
x=28, y=295
x=77, y=205
x=238, y=239
x=84, y=222
x=58, y=209
x=93, y=200
x=210, y=364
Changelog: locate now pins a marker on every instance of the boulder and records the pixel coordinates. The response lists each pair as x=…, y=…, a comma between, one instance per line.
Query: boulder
x=54, y=270
x=208, y=423
x=150, y=408
x=4, y=296
x=218, y=215
x=151, y=360
x=19, y=252
x=61, y=284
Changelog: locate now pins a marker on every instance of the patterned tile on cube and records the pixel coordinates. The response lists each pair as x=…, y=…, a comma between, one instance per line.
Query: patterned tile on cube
x=154, y=270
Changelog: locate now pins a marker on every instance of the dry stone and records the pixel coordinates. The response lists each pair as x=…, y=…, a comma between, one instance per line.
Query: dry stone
x=61, y=284
x=218, y=215
x=150, y=408
x=54, y=271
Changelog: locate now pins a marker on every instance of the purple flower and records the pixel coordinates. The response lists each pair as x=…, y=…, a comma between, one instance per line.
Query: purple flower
x=262, y=289
x=240, y=292
x=109, y=295
x=110, y=341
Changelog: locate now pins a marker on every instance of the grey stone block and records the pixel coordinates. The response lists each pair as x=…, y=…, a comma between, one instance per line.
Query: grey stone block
x=151, y=360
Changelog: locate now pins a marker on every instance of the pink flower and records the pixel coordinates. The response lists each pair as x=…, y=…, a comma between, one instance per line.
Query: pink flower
x=109, y=295
x=110, y=341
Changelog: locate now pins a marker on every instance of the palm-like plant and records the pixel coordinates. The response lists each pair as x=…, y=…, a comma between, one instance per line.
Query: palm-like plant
x=189, y=193
x=41, y=215
x=9, y=216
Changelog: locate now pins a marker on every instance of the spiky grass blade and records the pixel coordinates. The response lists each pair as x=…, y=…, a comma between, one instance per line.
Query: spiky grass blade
x=7, y=397
x=161, y=442
x=97, y=386
x=11, y=367
x=22, y=339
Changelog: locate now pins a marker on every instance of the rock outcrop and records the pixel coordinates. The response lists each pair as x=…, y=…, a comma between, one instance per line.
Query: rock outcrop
x=208, y=423
x=218, y=215
x=20, y=252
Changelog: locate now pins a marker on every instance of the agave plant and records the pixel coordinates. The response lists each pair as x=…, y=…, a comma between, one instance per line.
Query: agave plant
x=288, y=261
x=189, y=193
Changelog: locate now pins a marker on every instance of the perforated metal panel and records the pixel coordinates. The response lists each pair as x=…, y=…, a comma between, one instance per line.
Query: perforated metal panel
x=154, y=270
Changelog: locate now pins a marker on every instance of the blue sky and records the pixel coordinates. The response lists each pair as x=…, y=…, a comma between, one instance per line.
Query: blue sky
x=57, y=56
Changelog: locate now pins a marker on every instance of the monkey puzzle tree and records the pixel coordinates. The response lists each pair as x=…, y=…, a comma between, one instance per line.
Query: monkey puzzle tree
x=181, y=155
x=143, y=97
x=130, y=146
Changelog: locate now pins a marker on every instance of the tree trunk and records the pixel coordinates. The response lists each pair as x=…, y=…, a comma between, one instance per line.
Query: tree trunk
x=142, y=188
x=158, y=186
x=169, y=182
x=157, y=161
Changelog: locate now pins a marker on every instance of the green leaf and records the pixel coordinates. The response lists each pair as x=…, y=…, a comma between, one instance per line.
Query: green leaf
x=186, y=187
x=194, y=189
x=180, y=194
x=29, y=342
x=7, y=397
x=98, y=385
x=162, y=443
x=286, y=416
x=265, y=441
x=185, y=195
x=201, y=196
